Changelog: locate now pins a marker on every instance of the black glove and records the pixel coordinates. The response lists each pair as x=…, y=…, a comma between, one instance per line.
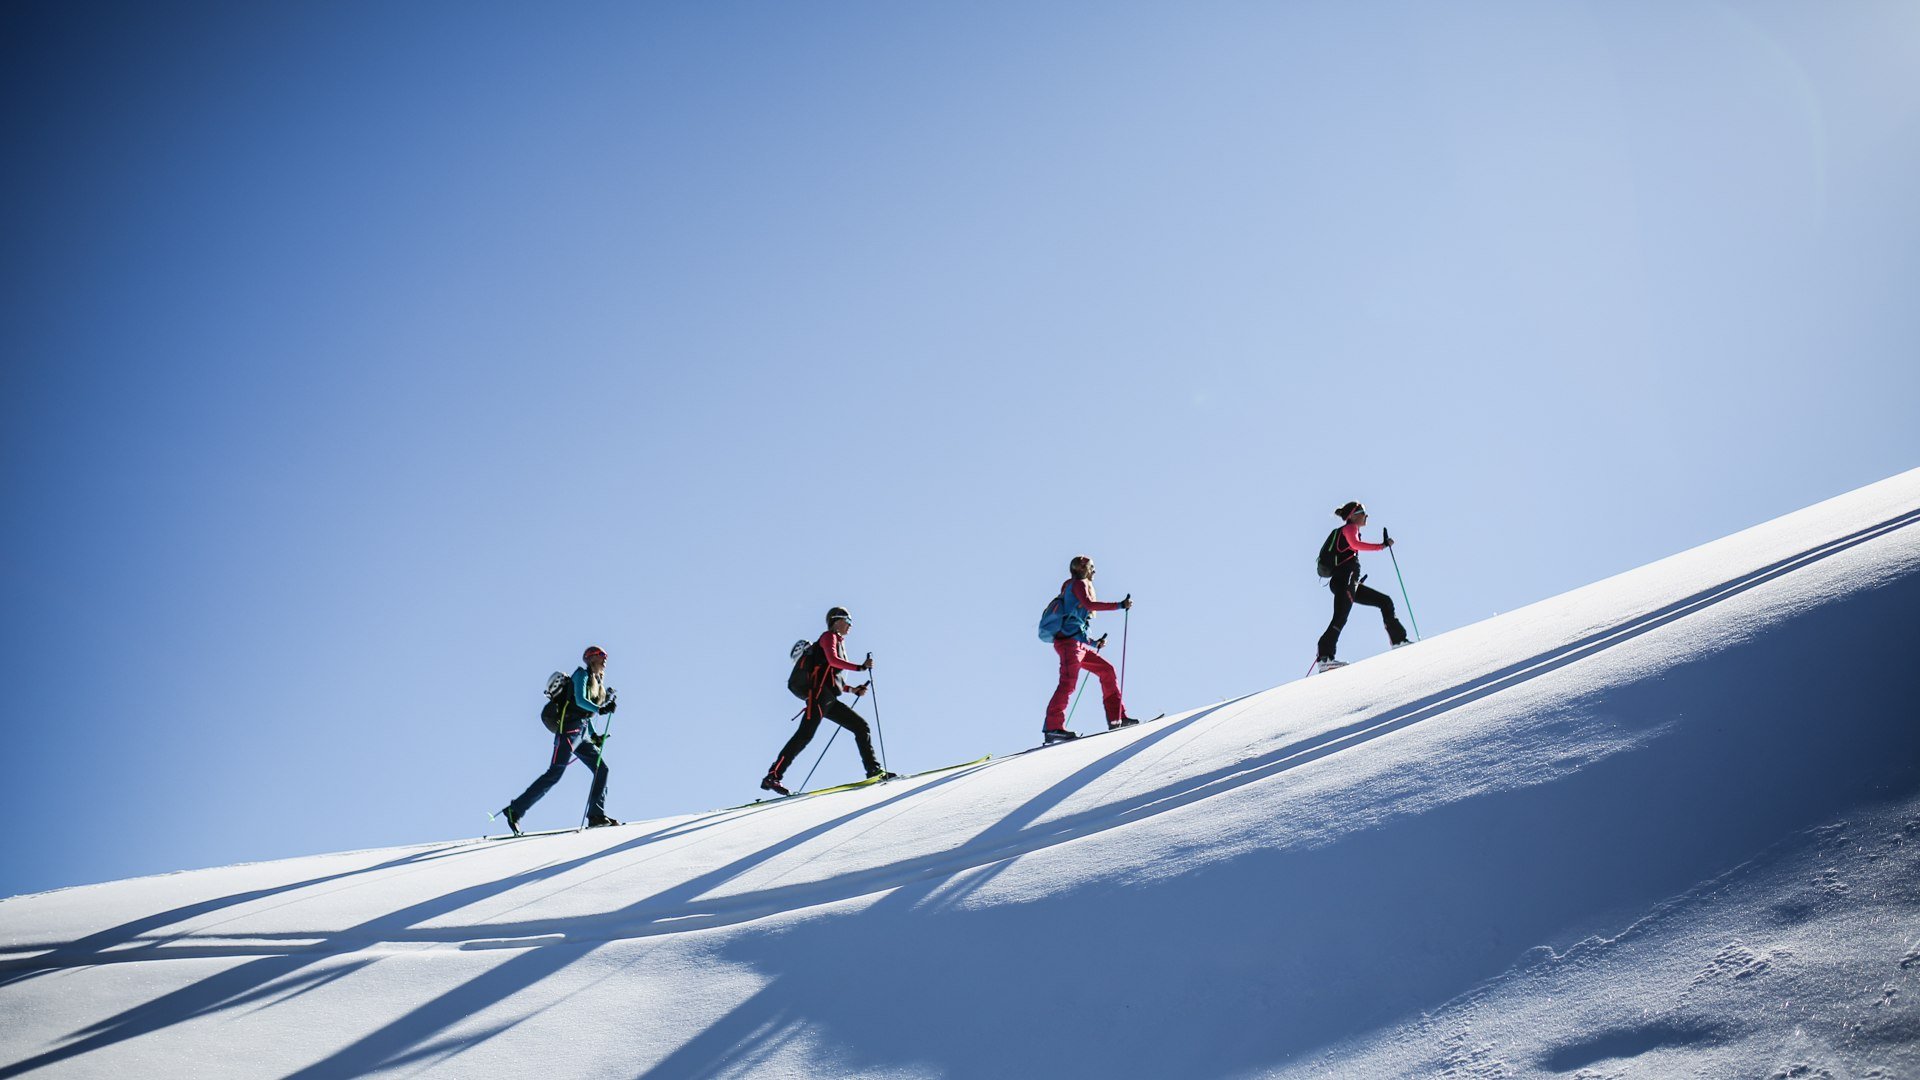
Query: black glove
x=607, y=709
x=599, y=738
x=1126, y=603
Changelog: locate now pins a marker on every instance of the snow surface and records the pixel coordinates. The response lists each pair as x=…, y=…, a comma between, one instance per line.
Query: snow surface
x=1667, y=824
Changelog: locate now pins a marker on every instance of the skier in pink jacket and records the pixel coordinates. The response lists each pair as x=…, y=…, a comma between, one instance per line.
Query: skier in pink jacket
x=1077, y=652
x=1346, y=547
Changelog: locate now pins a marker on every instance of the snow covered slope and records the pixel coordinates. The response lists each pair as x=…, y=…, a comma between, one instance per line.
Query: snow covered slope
x=1668, y=824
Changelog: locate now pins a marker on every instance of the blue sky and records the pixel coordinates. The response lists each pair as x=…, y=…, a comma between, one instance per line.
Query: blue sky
x=366, y=362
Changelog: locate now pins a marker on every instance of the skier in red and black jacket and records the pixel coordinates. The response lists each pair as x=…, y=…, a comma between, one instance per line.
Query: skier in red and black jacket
x=1347, y=591
x=820, y=686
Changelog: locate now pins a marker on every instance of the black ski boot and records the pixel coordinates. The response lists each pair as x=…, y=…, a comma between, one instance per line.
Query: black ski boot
x=1061, y=735
x=601, y=822
x=882, y=774
x=771, y=783
x=1125, y=721
x=513, y=819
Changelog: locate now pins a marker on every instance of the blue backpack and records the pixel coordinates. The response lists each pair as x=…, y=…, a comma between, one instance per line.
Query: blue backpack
x=1063, y=616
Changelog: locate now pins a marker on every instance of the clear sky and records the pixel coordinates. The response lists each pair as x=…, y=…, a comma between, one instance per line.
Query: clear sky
x=364, y=362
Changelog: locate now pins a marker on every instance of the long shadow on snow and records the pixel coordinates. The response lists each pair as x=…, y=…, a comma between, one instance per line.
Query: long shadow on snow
x=401, y=1039
x=279, y=968
x=1262, y=960
x=89, y=950
x=671, y=910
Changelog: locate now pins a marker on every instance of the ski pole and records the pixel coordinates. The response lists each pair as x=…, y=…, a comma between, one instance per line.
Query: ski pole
x=1076, y=697
x=1385, y=535
x=1126, y=623
x=1101, y=644
x=879, y=731
x=822, y=757
x=599, y=755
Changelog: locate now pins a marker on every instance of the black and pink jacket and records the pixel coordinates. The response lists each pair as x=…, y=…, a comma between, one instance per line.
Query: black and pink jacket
x=1346, y=551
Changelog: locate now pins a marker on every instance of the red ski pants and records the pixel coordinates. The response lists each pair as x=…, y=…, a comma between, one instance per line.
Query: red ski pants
x=1076, y=655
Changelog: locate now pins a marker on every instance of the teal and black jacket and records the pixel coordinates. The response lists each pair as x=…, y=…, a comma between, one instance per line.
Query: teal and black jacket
x=581, y=706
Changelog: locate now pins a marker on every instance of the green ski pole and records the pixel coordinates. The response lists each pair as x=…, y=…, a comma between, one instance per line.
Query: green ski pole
x=1385, y=535
x=1083, y=680
x=599, y=748
x=1076, y=696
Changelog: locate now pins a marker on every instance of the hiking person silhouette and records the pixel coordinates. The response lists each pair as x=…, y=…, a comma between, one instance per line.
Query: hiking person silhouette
x=1077, y=652
x=816, y=680
x=569, y=715
x=1342, y=548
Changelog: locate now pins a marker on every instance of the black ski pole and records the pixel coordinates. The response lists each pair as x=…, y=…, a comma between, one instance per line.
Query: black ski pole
x=822, y=757
x=878, y=731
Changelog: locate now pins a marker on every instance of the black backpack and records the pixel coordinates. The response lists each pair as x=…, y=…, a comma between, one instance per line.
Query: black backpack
x=559, y=697
x=560, y=707
x=1329, y=554
x=808, y=659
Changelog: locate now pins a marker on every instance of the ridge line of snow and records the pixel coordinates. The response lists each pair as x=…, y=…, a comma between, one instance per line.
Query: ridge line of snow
x=683, y=913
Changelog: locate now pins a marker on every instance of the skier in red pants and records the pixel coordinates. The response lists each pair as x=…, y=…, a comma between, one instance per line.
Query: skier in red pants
x=1077, y=653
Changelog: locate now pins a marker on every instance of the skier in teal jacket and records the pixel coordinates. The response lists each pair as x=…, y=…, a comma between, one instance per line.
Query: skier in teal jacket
x=573, y=736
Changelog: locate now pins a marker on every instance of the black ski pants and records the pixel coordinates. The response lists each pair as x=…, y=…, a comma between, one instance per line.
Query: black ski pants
x=567, y=745
x=832, y=708
x=1347, y=591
